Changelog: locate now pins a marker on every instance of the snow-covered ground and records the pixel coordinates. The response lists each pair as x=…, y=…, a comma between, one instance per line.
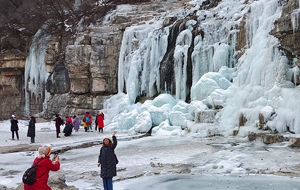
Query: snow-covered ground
x=159, y=161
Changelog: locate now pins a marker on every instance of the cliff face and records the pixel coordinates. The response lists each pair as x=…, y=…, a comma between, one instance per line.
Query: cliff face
x=82, y=70
x=12, y=85
x=286, y=29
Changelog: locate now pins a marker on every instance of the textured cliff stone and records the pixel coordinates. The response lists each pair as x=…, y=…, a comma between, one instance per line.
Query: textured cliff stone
x=78, y=64
x=11, y=90
x=59, y=83
x=289, y=35
x=268, y=138
x=241, y=39
x=52, y=55
x=206, y=116
x=242, y=120
x=92, y=65
x=295, y=142
x=284, y=30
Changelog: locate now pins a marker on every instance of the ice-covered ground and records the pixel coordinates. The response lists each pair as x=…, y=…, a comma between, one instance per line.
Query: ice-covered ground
x=159, y=161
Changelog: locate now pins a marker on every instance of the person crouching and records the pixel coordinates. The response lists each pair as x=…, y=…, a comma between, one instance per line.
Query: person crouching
x=68, y=129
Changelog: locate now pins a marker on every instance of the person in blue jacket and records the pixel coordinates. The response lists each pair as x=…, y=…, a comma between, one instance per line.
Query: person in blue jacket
x=108, y=161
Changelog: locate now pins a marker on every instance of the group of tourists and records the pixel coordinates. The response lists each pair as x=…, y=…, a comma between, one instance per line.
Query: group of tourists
x=75, y=123
x=14, y=128
x=43, y=164
x=70, y=124
x=99, y=122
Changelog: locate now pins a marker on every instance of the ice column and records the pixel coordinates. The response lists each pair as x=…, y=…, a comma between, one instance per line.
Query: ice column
x=35, y=73
x=142, y=50
x=295, y=18
x=183, y=43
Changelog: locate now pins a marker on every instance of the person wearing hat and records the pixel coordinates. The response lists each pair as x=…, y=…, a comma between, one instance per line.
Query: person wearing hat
x=44, y=165
x=108, y=161
x=14, y=127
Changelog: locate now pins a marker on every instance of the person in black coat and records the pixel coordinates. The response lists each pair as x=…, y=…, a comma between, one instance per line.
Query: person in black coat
x=68, y=129
x=31, y=129
x=14, y=127
x=108, y=161
x=96, y=121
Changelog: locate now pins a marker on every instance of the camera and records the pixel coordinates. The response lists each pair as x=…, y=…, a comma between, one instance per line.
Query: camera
x=55, y=155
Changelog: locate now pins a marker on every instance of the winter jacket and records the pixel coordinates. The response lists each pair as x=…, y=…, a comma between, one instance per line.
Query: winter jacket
x=76, y=123
x=69, y=119
x=14, y=125
x=88, y=115
x=31, y=129
x=58, y=122
x=42, y=168
x=68, y=129
x=107, y=159
x=100, y=121
x=96, y=120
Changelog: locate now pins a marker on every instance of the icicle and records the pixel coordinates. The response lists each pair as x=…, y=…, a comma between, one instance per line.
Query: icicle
x=183, y=42
x=295, y=19
x=141, y=52
x=35, y=73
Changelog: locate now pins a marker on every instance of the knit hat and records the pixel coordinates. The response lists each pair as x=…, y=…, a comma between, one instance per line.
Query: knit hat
x=44, y=151
x=107, y=137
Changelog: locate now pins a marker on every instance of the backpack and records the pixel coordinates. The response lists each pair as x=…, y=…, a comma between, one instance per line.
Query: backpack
x=29, y=175
x=87, y=119
x=61, y=122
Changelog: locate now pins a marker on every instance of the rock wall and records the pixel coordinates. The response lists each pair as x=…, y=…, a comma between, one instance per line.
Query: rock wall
x=11, y=85
x=287, y=32
x=87, y=73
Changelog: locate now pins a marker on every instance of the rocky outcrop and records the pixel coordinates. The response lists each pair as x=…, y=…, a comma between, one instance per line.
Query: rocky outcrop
x=286, y=29
x=206, y=116
x=268, y=138
x=87, y=74
x=12, y=66
x=56, y=182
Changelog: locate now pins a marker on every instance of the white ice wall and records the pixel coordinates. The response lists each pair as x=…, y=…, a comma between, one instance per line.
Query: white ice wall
x=35, y=73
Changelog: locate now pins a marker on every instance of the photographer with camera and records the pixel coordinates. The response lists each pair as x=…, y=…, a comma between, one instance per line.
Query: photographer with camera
x=44, y=165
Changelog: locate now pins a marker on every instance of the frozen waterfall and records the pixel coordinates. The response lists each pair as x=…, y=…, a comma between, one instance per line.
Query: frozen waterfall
x=35, y=73
x=240, y=82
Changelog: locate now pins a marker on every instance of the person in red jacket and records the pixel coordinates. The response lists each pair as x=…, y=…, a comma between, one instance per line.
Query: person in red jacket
x=100, y=121
x=88, y=119
x=43, y=168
